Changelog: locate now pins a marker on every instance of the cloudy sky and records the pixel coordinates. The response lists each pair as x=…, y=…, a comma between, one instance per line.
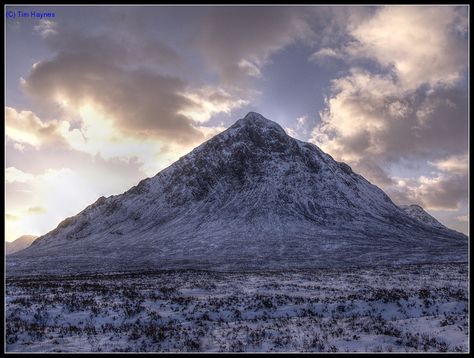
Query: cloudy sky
x=98, y=98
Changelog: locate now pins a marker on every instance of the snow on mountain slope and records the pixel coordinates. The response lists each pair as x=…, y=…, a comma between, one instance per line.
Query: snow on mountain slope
x=19, y=244
x=249, y=198
x=418, y=213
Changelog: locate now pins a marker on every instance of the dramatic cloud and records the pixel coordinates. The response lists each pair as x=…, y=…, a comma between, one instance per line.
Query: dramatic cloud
x=442, y=192
x=139, y=101
x=123, y=79
x=374, y=172
x=368, y=115
x=410, y=108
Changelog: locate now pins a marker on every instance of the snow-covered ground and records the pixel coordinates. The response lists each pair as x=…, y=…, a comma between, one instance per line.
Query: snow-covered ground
x=405, y=308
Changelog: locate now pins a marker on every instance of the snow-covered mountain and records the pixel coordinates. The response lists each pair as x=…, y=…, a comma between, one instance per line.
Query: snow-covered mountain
x=249, y=198
x=19, y=244
x=418, y=213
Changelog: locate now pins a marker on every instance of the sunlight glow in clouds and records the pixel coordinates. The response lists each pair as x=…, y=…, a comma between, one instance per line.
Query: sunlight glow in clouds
x=25, y=127
x=39, y=189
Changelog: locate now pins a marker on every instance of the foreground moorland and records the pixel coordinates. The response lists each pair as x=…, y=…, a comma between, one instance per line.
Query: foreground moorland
x=404, y=308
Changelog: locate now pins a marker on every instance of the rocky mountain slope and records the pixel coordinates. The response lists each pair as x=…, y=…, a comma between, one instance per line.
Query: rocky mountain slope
x=249, y=198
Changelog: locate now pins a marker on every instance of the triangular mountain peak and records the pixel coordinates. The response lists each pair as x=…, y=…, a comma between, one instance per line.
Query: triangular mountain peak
x=251, y=197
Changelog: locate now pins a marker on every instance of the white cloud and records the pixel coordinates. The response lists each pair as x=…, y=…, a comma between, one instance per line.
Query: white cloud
x=98, y=135
x=207, y=101
x=324, y=54
x=418, y=42
x=13, y=175
x=354, y=117
x=302, y=127
x=252, y=69
x=58, y=192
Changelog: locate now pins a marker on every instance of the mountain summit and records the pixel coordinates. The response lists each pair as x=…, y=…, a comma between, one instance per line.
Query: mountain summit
x=249, y=198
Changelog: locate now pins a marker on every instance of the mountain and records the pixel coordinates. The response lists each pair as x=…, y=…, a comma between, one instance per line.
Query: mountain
x=418, y=213
x=249, y=198
x=19, y=244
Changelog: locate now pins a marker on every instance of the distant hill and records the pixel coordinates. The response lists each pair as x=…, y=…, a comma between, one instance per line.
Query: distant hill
x=418, y=213
x=19, y=244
